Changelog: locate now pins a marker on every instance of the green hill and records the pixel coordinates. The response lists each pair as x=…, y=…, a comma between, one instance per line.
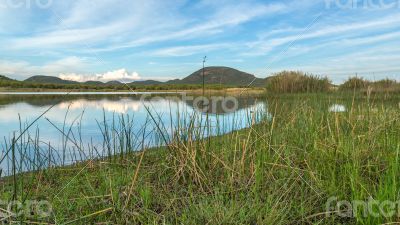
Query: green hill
x=49, y=80
x=147, y=82
x=222, y=75
x=90, y=82
x=4, y=78
x=213, y=75
x=114, y=82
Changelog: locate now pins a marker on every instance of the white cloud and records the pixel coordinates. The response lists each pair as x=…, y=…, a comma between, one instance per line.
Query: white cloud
x=92, y=23
x=84, y=36
x=189, y=50
x=23, y=69
x=162, y=27
x=121, y=106
x=339, y=32
x=121, y=75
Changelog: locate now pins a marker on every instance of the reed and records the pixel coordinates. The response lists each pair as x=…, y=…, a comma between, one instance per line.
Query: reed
x=365, y=86
x=297, y=82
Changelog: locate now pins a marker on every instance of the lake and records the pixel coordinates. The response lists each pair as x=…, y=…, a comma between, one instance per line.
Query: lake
x=80, y=126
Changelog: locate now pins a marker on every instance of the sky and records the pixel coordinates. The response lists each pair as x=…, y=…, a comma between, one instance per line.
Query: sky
x=167, y=39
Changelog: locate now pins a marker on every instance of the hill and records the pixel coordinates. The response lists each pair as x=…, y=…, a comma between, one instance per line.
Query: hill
x=147, y=82
x=221, y=75
x=114, y=82
x=213, y=75
x=91, y=82
x=49, y=80
x=4, y=78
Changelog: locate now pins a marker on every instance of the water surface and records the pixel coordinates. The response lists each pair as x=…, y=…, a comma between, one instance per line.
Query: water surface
x=79, y=126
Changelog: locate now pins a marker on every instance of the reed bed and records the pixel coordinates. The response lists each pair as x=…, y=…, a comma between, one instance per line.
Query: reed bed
x=367, y=86
x=297, y=82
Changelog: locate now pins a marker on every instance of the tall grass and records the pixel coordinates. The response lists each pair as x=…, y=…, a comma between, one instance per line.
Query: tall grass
x=363, y=85
x=297, y=82
x=355, y=83
x=280, y=171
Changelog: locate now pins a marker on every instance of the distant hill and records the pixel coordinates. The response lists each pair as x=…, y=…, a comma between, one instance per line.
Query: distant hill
x=114, y=82
x=91, y=82
x=221, y=75
x=49, y=80
x=213, y=75
x=4, y=78
x=175, y=81
x=147, y=82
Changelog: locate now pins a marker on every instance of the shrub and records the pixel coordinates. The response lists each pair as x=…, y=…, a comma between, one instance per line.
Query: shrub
x=359, y=84
x=355, y=83
x=297, y=82
x=385, y=83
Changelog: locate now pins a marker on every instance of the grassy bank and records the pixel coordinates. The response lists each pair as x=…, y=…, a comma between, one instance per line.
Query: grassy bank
x=283, y=170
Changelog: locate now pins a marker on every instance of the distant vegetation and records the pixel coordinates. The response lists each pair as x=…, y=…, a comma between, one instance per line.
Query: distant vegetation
x=354, y=83
x=359, y=84
x=54, y=83
x=297, y=82
x=12, y=84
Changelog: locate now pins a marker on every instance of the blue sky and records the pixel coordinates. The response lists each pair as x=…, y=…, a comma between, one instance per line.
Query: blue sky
x=157, y=39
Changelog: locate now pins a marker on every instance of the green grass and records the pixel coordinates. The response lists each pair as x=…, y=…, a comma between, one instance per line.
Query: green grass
x=281, y=171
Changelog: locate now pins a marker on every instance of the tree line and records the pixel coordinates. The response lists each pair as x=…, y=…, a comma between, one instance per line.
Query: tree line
x=13, y=84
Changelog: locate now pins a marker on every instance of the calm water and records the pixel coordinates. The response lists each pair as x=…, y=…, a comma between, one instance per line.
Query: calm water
x=86, y=125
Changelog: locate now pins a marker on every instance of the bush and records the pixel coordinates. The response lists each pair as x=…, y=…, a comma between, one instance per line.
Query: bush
x=297, y=82
x=385, y=83
x=359, y=84
x=355, y=83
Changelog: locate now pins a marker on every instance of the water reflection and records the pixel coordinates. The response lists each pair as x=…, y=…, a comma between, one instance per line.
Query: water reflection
x=123, y=105
x=123, y=102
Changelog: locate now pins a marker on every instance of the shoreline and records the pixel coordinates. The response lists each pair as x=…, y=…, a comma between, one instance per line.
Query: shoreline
x=138, y=91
